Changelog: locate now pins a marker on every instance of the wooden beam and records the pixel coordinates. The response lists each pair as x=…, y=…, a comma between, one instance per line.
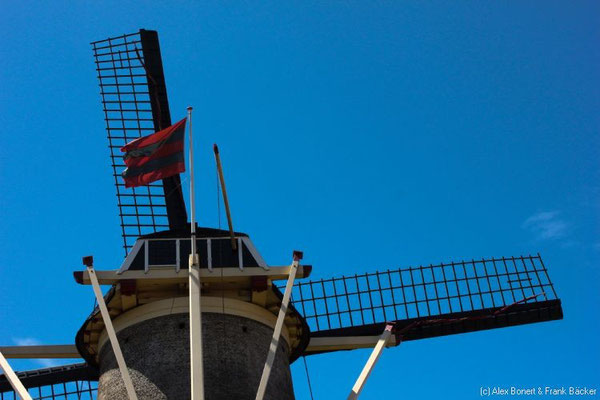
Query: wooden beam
x=112, y=334
x=217, y=274
x=264, y=380
x=325, y=344
x=368, y=368
x=49, y=351
x=13, y=379
x=225, y=198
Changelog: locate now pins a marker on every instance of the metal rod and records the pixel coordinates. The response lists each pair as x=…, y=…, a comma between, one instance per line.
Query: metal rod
x=196, y=357
x=368, y=368
x=262, y=387
x=192, y=194
x=114, y=342
x=225, y=199
x=13, y=379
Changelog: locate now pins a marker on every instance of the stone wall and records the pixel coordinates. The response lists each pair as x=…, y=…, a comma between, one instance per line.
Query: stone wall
x=157, y=353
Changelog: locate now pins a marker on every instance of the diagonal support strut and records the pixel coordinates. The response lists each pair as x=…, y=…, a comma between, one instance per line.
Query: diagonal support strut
x=368, y=368
x=262, y=387
x=88, y=262
x=13, y=379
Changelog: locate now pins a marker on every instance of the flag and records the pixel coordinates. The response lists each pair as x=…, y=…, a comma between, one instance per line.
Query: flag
x=155, y=156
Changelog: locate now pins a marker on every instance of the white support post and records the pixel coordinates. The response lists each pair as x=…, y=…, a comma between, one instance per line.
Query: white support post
x=368, y=368
x=262, y=387
x=112, y=336
x=196, y=357
x=13, y=379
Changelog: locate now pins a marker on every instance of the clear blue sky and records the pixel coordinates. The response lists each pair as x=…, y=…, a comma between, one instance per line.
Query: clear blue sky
x=368, y=134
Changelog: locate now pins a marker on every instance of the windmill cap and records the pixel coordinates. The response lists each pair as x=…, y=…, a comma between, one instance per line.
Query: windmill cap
x=185, y=232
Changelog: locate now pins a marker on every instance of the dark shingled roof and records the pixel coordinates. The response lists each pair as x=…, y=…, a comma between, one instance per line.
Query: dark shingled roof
x=201, y=232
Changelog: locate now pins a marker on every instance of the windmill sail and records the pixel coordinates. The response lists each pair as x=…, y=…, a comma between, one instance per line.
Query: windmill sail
x=424, y=301
x=135, y=104
x=429, y=301
x=75, y=381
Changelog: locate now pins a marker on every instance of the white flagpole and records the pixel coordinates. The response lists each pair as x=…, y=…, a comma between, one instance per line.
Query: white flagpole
x=196, y=359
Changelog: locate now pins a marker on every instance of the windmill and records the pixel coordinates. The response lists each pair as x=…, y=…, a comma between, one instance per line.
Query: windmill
x=241, y=294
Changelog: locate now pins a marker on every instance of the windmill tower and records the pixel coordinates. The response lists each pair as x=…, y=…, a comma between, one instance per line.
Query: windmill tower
x=241, y=293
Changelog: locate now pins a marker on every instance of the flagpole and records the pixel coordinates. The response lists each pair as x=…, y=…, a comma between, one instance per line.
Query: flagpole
x=196, y=359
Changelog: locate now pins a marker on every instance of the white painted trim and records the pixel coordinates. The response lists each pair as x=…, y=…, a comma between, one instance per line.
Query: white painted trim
x=261, y=262
x=209, y=254
x=140, y=242
x=274, y=273
x=13, y=379
x=177, y=255
x=180, y=305
x=132, y=253
x=240, y=254
x=146, y=255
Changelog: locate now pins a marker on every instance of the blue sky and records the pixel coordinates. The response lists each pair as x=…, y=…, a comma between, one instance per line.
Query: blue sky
x=368, y=134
